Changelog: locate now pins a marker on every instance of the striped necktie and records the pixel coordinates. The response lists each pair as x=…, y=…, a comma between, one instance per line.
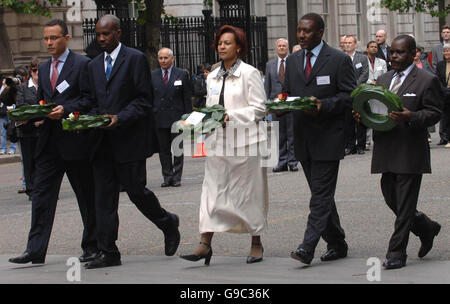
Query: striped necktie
x=108, y=66
x=166, y=77
x=55, y=74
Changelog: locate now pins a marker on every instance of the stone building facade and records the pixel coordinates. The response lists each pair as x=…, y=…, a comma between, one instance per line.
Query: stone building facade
x=342, y=17
x=355, y=17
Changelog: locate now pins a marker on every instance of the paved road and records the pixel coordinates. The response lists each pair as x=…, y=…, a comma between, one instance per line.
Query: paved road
x=365, y=217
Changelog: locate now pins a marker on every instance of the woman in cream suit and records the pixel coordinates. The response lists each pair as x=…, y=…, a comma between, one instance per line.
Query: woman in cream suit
x=235, y=191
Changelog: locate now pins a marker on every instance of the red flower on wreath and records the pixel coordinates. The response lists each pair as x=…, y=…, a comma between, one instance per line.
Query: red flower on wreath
x=76, y=114
x=42, y=102
x=283, y=96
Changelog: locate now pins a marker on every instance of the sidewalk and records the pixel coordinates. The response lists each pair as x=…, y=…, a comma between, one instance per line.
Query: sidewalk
x=7, y=159
x=223, y=270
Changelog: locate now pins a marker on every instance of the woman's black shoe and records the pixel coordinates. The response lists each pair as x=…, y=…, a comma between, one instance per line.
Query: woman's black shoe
x=196, y=258
x=251, y=260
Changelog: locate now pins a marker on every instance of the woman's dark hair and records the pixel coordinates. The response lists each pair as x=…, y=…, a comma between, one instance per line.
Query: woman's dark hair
x=239, y=37
x=206, y=66
x=34, y=64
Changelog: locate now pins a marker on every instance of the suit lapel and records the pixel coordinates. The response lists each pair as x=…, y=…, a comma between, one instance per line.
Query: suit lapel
x=409, y=80
x=46, y=85
x=300, y=58
x=173, y=77
x=66, y=70
x=119, y=60
x=321, y=60
x=99, y=69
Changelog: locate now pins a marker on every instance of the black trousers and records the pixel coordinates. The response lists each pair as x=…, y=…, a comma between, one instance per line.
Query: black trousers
x=109, y=175
x=444, y=124
x=356, y=135
x=28, y=147
x=286, y=140
x=401, y=193
x=323, y=220
x=171, y=170
x=49, y=172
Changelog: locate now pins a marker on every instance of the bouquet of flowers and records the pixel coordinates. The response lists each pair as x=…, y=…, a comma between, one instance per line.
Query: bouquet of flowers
x=77, y=122
x=213, y=118
x=283, y=105
x=32, y=111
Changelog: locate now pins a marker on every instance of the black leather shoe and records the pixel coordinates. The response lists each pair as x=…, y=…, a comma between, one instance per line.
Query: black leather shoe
x=302, y=255
x=166, y=184
x=394, y=263
x=333, y=254
x=293, y=168
x=172, y=236
x=104, y=260
x=280, y=169
x=361, y=151
x=176, y=184
x=88, y=256
x=427, y=240
x=27, y=257
x=349, y=151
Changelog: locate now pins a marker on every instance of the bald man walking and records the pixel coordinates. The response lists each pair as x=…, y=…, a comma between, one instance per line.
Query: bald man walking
x=172, y=94
x=120, y=88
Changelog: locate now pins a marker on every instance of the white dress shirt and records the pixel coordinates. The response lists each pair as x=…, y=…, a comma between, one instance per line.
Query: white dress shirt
x=113, y=55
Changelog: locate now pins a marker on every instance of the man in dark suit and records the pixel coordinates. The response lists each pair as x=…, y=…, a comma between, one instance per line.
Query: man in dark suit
x=62, y=80
x=121, y=90
x=402, y=155
x=319, y=139
x=356, y=132
x=383, y=47
x=273, y=84
x=172, y=94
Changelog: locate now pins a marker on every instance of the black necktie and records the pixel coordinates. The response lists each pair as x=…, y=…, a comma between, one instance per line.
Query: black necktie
x=221, y=98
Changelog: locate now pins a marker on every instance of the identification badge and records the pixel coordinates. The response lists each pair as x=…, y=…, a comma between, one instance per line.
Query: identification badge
x=62, y=86
x=195, y=118
x=214, y=91
x=358, y=65
x=323, y=80
x=177, y=83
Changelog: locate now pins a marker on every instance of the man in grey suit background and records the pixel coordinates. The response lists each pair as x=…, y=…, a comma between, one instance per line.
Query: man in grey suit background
x=356, y=132
x=438, y=55
x=438, y=49
x=273, y=85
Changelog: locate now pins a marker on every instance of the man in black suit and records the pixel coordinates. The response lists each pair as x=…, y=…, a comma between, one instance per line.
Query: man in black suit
x=383, y=47
x=62, y=80
x=121, y=90
x=319, y=138
x=172, y=94
x=402, y=155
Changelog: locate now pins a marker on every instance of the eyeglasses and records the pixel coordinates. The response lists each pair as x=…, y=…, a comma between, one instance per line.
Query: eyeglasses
x=34, y=70
x=52, y=38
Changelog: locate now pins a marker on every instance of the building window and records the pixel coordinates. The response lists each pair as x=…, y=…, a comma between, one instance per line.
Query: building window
x=325, y=18
x=358, y=19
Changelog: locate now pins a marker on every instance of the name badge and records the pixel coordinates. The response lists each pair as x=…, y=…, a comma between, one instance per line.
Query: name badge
x=62, y=86
x=177, y=83
x=214, y=91
x=323, y=80
x=195, y=118
x=358, y=66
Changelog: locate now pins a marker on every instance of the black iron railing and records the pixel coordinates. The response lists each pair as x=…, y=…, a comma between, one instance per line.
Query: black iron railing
x=191, y=39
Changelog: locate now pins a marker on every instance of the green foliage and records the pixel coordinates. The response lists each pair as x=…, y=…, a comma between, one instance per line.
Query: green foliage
x=33, y=7
x=435, y=8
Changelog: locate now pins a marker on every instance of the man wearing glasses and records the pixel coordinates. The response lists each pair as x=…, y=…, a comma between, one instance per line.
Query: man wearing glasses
x=62, y=80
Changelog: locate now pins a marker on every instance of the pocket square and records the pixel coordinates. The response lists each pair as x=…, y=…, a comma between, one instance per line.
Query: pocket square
x=409, y=95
